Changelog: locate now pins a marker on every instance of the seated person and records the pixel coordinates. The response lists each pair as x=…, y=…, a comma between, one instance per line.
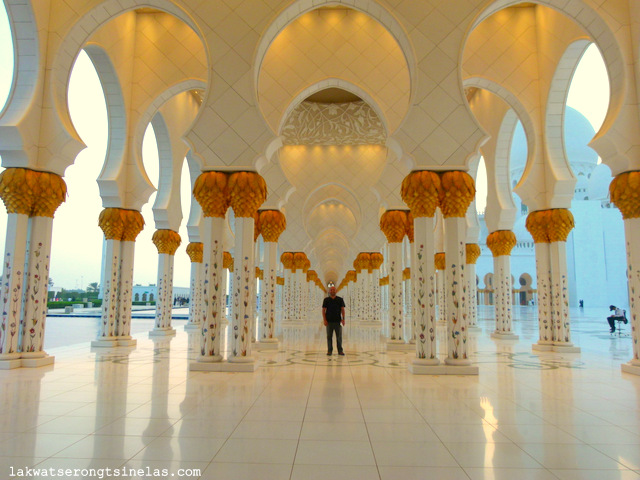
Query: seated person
x=618, y=314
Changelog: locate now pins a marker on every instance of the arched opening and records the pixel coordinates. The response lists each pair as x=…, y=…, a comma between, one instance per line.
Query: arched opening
x=6, y=57
x=74, y=256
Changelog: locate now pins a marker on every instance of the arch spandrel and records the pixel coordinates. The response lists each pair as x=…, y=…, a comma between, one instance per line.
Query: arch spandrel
x=617, y=137
x=339, y=43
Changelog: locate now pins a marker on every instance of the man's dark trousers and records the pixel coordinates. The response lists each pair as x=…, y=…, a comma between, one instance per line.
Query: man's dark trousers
x=334, y=327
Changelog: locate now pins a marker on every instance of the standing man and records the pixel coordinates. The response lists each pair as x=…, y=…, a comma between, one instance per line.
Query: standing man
x=333, y=316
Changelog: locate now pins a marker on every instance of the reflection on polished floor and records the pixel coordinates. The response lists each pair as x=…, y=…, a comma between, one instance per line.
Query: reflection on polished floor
x=303, y=415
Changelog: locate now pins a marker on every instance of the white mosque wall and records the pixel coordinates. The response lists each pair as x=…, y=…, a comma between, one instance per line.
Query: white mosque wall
x=595, y=256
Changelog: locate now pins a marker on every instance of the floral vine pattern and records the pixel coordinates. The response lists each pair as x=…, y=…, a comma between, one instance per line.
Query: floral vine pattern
x=543, y=273
x=210, y=343
x=35, y=308
x=633, y=274
x=352, y=123
x=242, y=309
x=456, y=309
x=503, y=294
x=110, y=295
x=11, y=303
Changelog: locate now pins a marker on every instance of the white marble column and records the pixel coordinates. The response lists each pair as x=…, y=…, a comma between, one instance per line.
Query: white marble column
x=425, y=291
x=550, y=229
x=501, y=242
x=269, y=293
x=543, y=279
x=396, y=314
x=625, y=194
x=110, y=281
x=243, y=310
x=211, y=190
x=15, y=255
x=376, y=289
x=195, y=252
x=125, y=287
x=632, y=237
x=439, y=259
x=560, y=298
x=473, y=252
x=167, y=242
x=35, y=305
x=458, y=192
x=455, y=291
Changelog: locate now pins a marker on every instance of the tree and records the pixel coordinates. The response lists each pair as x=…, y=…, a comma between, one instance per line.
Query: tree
x=50, y=282
x=93, y=287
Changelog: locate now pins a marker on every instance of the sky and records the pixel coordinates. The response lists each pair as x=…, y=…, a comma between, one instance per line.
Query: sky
x=77, y=239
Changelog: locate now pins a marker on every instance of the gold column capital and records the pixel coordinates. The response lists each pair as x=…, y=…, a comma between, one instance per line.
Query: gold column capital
x=410, y=230
x=472, y=251
x=552, y=225
x=299, y=261
x=406, y=273
x=312, y=276
x=211, y=190
x=376, y=260
x=624, y=192
x=560, y=224
x=31, y=192
x=536, y=225
x=393, y=224
x=227, y=261
x=501, y=242
x=51, y=191
x=439, y=261
x=110, y=221
x=133, y=223
x=280, y=280
x=421, y=192
x=458, y=191
x=307, y=265
x=259, y=273
x=166, y=241
x=272, y=224
x=247, y=191
x=195, y=251
x=287, y=260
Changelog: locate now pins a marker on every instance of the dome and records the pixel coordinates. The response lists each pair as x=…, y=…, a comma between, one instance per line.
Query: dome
x=519, y=149
x=578, y=132
x=598, y=187
x=521, y=232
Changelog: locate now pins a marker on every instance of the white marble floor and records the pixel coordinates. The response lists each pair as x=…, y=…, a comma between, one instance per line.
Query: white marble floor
x=303, y=415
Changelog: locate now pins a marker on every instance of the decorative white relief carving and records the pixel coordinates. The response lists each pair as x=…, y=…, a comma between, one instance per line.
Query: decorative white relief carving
x=353, y=123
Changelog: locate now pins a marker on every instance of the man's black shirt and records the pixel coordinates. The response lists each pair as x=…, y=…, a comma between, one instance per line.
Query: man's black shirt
x=334, y=308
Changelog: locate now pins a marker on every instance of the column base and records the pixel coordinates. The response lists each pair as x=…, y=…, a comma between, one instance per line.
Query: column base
x=162, y=332
x=268, y=344
x=504, y=336
x=555, y=347
x=247, y=365
x=208, y=359
x=542, y=347
x=127, y=342
x=566, y=348
x=10, y=361
x=399, y=346
x=632, y=367
x=192, y=327
x=41, y=360
x=105, y=342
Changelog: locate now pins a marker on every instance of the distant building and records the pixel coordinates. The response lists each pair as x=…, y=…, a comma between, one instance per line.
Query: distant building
x=597, y=268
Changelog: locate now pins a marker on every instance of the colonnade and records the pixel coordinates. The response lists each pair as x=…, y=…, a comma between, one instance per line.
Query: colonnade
x=29, y=242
